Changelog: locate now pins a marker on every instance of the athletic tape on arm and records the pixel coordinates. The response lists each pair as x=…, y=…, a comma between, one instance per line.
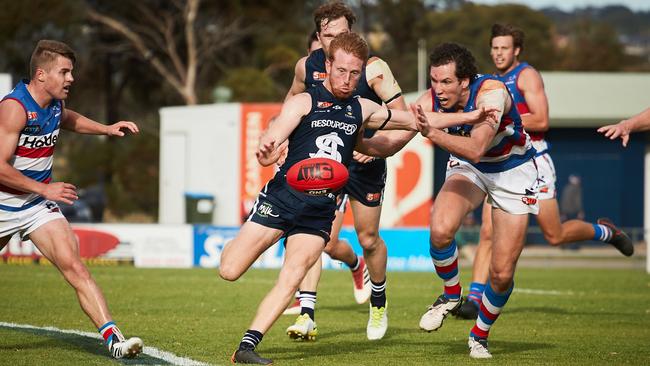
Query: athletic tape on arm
x=388, y=87
x=494, y=95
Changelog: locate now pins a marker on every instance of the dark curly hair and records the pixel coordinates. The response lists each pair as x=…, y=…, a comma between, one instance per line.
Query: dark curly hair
x=446, y=53
x=330, y=11
x=499, y=30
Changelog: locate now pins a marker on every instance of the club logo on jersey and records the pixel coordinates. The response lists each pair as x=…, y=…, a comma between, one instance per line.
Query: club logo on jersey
x=348, y=128
x=348, y=112
x=32, y=116
x=338, y=107
x=32, y=129
x=328, y=147
x=324, y=104
x=319, y=76
x=373, y=197
x=266, y=210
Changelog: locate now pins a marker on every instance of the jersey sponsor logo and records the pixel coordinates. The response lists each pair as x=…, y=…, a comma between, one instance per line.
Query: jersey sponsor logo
x=32, y=129
x=32, y=116
x=320, y=76
x=324, y=104
x=337, y=107
x=348, y=128
x=34, y=142
x=266, y=210
x=373, y=197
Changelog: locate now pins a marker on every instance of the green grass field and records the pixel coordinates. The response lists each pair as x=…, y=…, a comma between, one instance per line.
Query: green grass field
x=594, y=317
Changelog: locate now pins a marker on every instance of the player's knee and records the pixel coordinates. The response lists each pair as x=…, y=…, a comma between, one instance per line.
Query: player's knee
x=553, y=239
x=501, y=279
x=486, y=233
x=228, y=272
x=76, y=272
x=440, y=236
x=369, y=240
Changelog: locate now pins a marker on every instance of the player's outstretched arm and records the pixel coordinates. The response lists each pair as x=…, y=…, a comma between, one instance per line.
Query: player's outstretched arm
x=290, y=116
x=639, y=122
x=445, y=120
x=76, y=122
x=471, y=148
x=13, y=120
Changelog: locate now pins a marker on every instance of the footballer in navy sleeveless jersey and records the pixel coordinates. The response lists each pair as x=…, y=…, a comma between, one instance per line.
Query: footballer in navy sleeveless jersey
x=329, y=130
x=367, y=180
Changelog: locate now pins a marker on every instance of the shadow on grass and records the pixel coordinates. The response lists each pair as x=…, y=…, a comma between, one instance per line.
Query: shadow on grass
x=82, y=343
x=393, y=339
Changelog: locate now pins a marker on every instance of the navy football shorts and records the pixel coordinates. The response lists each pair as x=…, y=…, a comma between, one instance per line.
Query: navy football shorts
x=367, y=181
x=283, y=210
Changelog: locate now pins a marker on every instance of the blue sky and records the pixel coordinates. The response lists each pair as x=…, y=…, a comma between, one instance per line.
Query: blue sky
x=638, y=5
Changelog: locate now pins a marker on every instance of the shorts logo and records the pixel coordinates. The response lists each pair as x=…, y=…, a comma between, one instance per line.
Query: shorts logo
x=544, y=190
x=320, y=76
x=266, y=210
x=52, y=207
x=373, y=197
x=453, y=163
x=529, y=200
x=324, y=104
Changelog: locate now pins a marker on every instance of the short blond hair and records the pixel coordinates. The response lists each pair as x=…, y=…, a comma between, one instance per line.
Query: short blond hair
x=46, y=52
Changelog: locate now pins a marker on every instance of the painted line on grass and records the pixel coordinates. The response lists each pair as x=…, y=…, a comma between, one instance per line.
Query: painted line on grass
x=531, y=291
x=165, y=356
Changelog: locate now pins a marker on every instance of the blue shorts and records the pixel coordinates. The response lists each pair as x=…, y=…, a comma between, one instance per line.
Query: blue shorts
x=280, y=207
x=367, y=181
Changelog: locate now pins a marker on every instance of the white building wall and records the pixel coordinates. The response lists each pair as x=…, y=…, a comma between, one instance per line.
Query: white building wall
x=199, y=153
x=5, y=84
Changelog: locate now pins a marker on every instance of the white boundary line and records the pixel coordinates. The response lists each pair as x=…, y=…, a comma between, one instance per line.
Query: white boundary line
x=150, y=351
x=531, y=291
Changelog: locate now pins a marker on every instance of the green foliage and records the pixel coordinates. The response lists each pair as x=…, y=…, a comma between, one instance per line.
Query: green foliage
x=581, y=317
x=252, y=85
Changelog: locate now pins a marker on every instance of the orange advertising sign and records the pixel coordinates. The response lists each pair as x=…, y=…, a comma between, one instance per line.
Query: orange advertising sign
x=254, y=121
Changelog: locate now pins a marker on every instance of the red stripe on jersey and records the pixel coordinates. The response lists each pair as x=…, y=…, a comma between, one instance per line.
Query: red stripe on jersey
x=40, y=152
x=449, y=268
x=536, y=136
x=522, y=108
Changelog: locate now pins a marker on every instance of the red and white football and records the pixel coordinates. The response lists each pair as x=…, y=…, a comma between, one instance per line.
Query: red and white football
x=317, y=176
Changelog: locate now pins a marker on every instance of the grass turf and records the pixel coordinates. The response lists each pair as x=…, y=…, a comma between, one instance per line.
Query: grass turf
x=593, y=317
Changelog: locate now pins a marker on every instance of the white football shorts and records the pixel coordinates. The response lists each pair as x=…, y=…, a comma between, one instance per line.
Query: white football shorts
x=26, y=221
x=547, y=177
x=513, y=191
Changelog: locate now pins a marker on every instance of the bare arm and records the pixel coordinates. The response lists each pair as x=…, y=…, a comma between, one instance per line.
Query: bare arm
x=290, y=116
x=532, y=86
x=13, y=120
x=473, y=147
x=76, y=122
x=298, y=83
x=623, y=129
x=470, y=148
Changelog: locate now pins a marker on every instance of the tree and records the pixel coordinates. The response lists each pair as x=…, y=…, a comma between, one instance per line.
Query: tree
x=164, y=34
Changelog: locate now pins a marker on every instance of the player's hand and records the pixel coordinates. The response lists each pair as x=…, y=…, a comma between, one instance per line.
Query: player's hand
x=61, y=192
x=481, y=114
x=283, y=150
x=361, y=158
x=421, y=121
x=615, y=131
x=116, y=128
x=264, y=151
